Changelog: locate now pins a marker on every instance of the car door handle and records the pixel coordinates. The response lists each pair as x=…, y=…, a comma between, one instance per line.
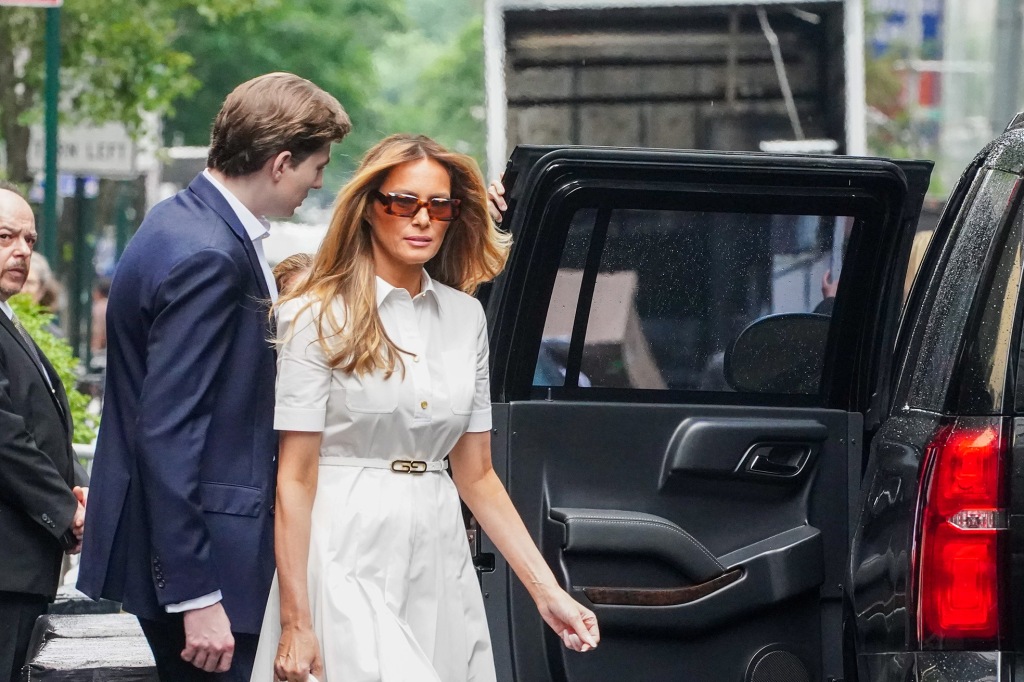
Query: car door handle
x=725, y=447
x=783, y=460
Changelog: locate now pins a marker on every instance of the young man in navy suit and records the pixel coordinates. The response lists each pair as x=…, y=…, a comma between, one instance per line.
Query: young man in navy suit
x=41, y=512
x=180, y=529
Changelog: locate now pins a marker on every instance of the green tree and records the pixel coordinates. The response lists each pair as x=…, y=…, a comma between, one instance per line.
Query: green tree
x=330, y=42
x=451, y=91
x=443, y=20
x=437, y=89
x=117, y=61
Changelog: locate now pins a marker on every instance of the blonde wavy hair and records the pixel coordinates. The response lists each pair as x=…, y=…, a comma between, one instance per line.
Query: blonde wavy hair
x=474, y=251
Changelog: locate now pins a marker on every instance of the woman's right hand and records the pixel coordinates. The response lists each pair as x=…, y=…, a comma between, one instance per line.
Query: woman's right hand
x=298, y=655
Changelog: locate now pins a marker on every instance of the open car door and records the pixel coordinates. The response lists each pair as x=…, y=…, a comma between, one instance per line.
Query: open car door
x=679, y=402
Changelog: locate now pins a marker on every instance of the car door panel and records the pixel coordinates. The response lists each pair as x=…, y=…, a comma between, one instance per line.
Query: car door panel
x=708, y=528
x=673, y=540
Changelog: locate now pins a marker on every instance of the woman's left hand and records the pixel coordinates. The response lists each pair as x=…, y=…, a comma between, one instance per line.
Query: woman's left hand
x=496, y=205
x=574, y=623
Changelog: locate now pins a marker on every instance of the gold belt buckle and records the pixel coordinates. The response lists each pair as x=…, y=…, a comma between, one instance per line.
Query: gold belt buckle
x=409, y=466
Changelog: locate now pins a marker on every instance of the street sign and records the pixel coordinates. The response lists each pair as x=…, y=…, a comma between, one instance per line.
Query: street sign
x=105, y=150
x=31, y=3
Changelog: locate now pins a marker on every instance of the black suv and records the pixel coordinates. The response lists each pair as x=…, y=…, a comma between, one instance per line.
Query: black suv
x=744, y=477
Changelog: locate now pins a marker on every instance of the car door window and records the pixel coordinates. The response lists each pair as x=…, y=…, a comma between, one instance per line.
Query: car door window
x=667, y=291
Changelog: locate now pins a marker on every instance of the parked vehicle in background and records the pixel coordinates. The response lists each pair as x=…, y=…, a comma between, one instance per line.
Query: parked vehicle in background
x=682, y=74
x=744, y=489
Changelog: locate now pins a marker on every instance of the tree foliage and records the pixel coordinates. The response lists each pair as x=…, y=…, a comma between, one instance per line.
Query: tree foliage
x=452, y=93
x=396, y=65
x=330, y=42
x=437, y=87
x=117, y=61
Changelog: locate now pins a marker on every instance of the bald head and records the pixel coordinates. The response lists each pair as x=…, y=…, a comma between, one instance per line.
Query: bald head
x=17, y=238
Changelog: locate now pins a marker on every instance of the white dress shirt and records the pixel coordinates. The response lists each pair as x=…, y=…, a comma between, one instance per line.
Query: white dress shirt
x=256, y=228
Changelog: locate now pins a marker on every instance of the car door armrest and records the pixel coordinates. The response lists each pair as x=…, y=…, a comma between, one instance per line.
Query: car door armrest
x=611, y=531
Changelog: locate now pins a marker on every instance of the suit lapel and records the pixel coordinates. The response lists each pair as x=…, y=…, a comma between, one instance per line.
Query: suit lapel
x=212, y=197
x=59, y=395
x=57, y=392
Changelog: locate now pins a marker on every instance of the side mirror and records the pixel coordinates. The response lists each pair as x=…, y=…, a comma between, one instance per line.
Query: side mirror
x=781, y=353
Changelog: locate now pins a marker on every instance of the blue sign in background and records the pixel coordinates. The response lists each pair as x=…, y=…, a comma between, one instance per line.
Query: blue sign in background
x=892, y=29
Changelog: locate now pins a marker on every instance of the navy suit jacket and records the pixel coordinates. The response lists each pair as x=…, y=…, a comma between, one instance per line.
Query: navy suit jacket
x=182, y=493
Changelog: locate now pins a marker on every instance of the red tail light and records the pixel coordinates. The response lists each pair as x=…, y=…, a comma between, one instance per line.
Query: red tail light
x=962, y=524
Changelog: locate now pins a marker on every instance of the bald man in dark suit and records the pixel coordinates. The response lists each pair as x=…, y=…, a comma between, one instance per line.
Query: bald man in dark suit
x=42, y=512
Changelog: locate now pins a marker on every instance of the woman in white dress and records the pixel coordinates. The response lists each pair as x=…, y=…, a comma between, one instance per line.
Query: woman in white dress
x=382, y=374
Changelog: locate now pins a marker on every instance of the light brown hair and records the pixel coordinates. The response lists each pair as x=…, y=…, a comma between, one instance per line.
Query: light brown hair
x=49, y=287
x=271, y=114
x=474, y=251
x=297, y=264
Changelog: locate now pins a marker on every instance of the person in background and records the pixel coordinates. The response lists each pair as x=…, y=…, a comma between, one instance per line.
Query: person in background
x=41, y=284
x=290, y=271
x=44, y=288
x=100, y=294
x=829, y=287
x=42, y=511
x=181, y=529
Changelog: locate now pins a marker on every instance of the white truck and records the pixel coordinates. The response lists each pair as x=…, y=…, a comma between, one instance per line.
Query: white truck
x=707, y=74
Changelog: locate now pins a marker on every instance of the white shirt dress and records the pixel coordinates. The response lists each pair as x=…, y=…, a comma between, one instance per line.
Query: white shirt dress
x=392, y=589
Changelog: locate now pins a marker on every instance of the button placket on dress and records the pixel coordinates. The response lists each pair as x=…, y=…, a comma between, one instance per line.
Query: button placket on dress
x=416, y=365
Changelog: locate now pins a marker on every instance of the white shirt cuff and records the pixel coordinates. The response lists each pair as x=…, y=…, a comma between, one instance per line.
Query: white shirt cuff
x=193, y=604
x=479, y=420
x=299, y=419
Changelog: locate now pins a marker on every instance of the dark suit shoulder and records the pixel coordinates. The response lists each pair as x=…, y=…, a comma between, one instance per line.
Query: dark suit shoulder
x=181, y=225
x=173, y=232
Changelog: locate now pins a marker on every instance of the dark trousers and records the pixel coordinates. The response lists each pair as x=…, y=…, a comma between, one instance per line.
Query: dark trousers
x=167, y=640
x=18, y=614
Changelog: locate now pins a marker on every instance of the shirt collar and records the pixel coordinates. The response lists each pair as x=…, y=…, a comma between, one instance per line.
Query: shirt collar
x=7, y=309
x=256, y=228
x=384, y=289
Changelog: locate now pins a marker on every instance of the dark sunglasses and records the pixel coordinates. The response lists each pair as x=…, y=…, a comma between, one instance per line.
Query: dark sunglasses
x=407, y=205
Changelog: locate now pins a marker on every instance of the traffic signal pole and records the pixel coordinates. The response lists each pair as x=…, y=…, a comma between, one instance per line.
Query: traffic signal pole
x=49, y=226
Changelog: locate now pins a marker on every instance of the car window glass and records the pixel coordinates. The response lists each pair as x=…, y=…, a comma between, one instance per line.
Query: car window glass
x=554, y=349
x=919, y=247
x=946, y=316
x=671, y=290
x=987, y=358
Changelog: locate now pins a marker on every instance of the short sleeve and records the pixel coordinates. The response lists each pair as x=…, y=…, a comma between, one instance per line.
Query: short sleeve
x=480, y=417
x=303, y=375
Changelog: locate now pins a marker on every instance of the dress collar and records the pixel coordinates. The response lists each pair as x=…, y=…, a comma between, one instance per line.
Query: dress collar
x=384, y=289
